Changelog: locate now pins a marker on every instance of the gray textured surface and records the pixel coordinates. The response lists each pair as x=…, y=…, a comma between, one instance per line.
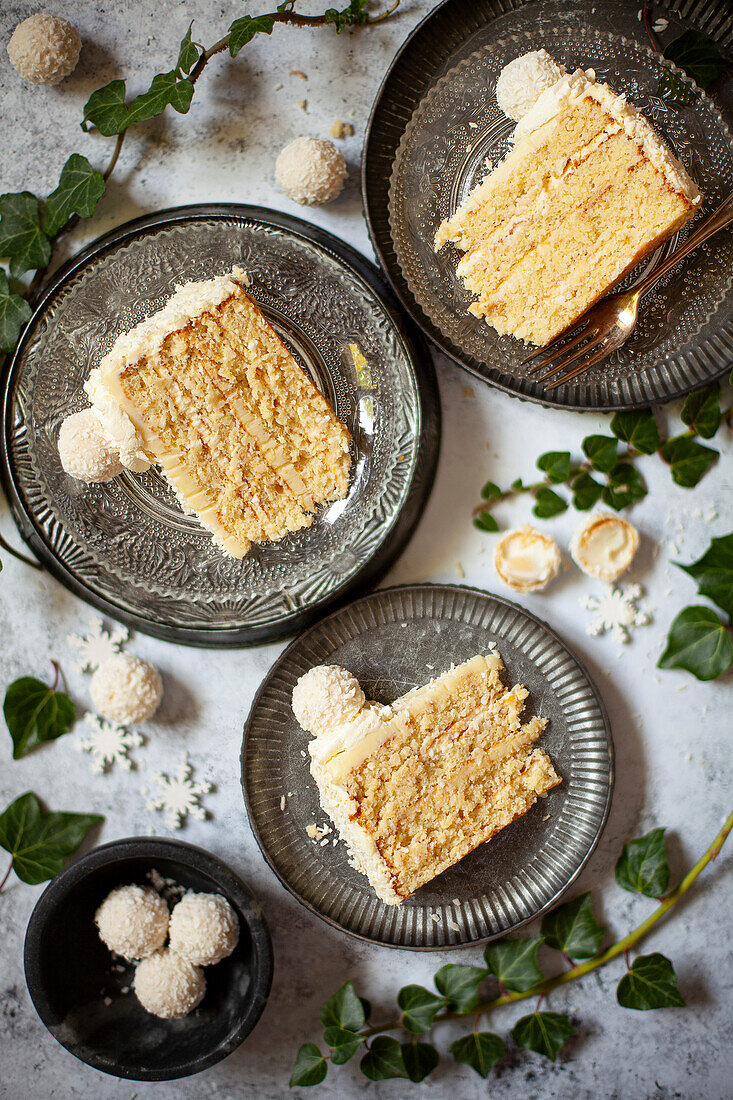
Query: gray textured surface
x=673, y=764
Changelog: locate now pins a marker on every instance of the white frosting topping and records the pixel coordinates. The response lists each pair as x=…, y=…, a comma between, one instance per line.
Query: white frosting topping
x=526, y=560
x=604, y=546
x=523, y=81
x=325, y=697
x=117, y=424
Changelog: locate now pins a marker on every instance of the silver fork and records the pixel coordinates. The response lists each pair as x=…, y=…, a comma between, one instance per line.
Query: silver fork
x=609, y=323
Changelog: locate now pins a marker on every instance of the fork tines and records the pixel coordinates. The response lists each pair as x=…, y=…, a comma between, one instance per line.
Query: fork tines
x=586, y=340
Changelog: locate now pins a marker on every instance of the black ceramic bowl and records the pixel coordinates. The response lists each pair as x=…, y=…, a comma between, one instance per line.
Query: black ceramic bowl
x=76, y=984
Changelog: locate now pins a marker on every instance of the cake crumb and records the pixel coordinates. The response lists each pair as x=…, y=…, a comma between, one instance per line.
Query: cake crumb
x=460, y=571
x=282, y=803
x=467, y=391
x=108, y=1001
x=341, y=129
x=303, y=104
x=297, y=72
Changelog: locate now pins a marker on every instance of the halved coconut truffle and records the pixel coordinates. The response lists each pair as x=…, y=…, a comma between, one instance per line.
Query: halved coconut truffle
x=526, y=560
x=604, y=546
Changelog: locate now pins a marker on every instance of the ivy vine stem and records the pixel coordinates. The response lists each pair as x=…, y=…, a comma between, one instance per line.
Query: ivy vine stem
x=579, y=970
x=17, y=554
x=6, y=876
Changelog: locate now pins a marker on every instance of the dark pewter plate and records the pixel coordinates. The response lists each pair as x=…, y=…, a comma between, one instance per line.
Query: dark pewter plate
x=436, y=121
x=392, y=641
x=126, y=546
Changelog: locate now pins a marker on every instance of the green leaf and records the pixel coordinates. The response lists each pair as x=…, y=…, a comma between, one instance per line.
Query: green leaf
x=701, y=410
x=690, y=461
x=642, y=867
x=245, y=28
x=490, y=490
x=517, y=485
x=556, y=465
x=344, y=1009
x=515, y=963
x=384, y=1059
x=673, y=90
x=354, y=15
x=600, y=450
x=106, y=109
x=697, y=55
x=188, y=53
x=22, y=241
x=14, y=313
x=625, y=487
x=39, y=842
x=484, y=521
x=548, y=503
x=459, y=985
x=79, y=190
x=714, y=573
x=420, y=1059
x=481, y=1051
x=586, y=492
x=310, y=1067
x=638, y=429
x=543, y=1032
x=650, y=983
x=699, y=643
x=344, y=1044
x=419, y=1007
x=35, y=713
x=572, y=928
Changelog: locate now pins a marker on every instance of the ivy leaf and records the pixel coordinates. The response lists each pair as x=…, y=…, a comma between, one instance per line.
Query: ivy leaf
x=79, y=190
x=106, y=109
x=556, y=465
x=35, y=713
x=384, y=1059
x=354, y=15
x=638, y=429
x=22, y=241
x=625, y=486
x=344, y=1044
x=484, y=521
x=572, y=928
x=543, y=1032
x=517, y=485
x=480, y=1050
x=548, y=503
x=650, y=983
x=14, y=313
x=699, y=643
x=39, y=842
x=344, y=1009
x=673, y=90
x=714, y=573
x=310, y=1067
x=697, y=55
x=586, y=492
x=459, y=985
x=420, y=1059
x=515, y=963
x=419, y=1007
x=701, y=410
x=490, y=490
x=642, y=867
x=690, y=461
x=245, y=28
x=600, y=450
x=188, y=53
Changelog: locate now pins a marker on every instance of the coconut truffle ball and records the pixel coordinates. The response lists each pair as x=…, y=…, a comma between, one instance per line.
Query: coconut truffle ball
x=325, y=697
x=133, y=921
x=204, y=929
x=126, y=689
x=86, y=452
x=523, y=80
x=44, y=48
x=310, y=171
x=168, y=985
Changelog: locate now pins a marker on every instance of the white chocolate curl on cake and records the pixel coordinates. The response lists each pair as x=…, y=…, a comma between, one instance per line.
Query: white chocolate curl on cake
x=523, y=80
x=604, y=546
x=526, y=560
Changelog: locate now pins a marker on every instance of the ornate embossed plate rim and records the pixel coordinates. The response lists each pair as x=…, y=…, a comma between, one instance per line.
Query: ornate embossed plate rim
x=262, y=796
x=437, y=39
x=427, y=448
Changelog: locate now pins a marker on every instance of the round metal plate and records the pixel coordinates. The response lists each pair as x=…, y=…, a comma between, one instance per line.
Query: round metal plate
x=392, y=641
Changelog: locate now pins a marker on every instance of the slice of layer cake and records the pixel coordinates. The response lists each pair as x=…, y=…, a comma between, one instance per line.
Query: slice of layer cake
x=414, y=787
x=588, y=190
x=206, y=389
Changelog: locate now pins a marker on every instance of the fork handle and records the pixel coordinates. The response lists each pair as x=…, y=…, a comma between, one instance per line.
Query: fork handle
x=722, y=217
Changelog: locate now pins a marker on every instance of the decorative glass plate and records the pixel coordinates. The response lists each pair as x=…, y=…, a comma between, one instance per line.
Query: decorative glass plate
x=392, y=641
x=126, y=546
x=685, y=333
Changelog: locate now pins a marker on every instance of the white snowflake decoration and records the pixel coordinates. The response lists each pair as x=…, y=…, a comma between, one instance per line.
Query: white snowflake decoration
x=179, y=795
x=616, y=611
x=98, y=645
x=108, y=744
